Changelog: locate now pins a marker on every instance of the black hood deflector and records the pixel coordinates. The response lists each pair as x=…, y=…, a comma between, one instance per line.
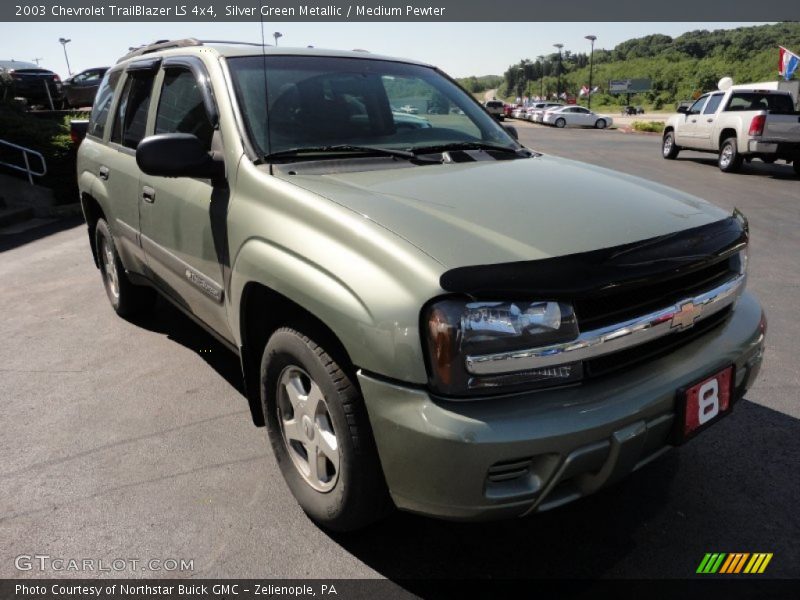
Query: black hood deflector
x=605, y=270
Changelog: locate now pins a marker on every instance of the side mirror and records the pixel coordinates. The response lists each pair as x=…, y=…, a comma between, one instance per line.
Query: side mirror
x=512, y=131
x=684, y=110
x=178, y=155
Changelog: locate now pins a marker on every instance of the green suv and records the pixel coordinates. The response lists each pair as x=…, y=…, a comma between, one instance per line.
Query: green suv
x=429, y=316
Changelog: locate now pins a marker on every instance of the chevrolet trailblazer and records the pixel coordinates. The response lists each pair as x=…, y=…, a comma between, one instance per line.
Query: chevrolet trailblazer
x=433, y=318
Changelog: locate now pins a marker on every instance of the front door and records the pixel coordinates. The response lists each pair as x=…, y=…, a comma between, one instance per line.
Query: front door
x=183, y=220
x=705, y=121
x=686, y=133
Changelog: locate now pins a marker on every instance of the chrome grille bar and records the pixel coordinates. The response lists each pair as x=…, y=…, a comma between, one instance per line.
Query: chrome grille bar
x=613, y=338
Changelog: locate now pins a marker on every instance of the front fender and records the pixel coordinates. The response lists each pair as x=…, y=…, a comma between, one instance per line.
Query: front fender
x=375, y=316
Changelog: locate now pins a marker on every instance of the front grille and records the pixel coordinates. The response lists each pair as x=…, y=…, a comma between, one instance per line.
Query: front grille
x=609, y=363
x=618, y=306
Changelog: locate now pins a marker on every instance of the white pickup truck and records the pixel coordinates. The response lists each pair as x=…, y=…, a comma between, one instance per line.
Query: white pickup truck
x=740, y=123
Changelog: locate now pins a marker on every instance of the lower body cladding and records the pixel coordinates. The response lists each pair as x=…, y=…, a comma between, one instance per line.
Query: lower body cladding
x=510, y=456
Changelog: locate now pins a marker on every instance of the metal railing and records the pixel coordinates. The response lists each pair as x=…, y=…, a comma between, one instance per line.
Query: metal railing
x=27, y=168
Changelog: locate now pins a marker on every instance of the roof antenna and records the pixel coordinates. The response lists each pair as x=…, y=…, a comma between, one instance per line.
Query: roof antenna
x=264, y=71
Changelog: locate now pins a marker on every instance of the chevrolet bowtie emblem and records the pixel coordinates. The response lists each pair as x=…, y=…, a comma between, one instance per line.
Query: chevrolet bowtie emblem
x=686, y=316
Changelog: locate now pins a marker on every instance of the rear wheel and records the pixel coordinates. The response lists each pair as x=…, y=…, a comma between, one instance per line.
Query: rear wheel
x=600, y=124
x=796, y=165
x=126, y=299
x=730, y=160
x=320, y=433
x=560, y=123
x=669, y=149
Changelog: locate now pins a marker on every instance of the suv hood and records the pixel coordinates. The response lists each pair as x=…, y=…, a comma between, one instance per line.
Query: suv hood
x=501, y=211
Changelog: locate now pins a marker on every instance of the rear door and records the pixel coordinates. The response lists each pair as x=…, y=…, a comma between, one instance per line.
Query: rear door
x=184, y=230
x=118, y=168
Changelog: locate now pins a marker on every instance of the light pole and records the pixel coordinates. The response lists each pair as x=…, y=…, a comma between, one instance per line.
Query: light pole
x=591, y=38
x=558, y=81
x=36, y=60
x=277, y=35
x=541, y=78
x=521, y=83
x=64, y=42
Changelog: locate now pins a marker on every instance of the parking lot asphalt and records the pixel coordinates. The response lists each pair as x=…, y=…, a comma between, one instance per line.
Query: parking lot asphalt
x=133, y=440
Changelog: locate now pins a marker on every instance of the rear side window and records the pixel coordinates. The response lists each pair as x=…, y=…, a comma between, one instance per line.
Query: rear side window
x=713, y=104
x=105, y=95
x=774, y=103
x=181, y=108
x=131, y=118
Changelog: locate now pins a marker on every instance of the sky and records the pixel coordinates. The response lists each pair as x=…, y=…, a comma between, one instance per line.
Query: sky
x=460, y=49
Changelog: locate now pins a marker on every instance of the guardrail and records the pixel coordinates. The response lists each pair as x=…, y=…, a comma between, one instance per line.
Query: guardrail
x=27, y=168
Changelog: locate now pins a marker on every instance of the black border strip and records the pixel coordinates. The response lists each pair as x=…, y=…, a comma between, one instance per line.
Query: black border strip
x=609, y=269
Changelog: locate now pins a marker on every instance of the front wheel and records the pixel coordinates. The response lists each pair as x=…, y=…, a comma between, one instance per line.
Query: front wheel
x=730, y=160
x=561, y=123
x=320, y=433
x=126, y=298
x=669, y=149
x=796, y=165
x=600, y=124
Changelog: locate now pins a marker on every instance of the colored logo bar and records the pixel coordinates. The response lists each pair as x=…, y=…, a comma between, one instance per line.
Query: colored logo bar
x=734, y=563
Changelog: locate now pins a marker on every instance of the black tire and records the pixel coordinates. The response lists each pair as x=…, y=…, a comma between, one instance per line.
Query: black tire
x=796, y=165
x=600, y=124
x=669, y=149
x=560, y=123
x=126, y=299
x=729, y=160
x=358, y=496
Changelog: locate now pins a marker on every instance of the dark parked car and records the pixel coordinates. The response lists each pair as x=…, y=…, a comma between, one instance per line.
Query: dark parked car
x=633, y=110
x=32, y=83
x=80, y=89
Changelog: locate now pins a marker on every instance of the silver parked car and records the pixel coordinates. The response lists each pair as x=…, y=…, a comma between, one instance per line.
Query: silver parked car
x=576, y=116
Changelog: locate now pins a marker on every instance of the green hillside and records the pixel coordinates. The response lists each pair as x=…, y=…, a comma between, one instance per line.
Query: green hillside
x=678, y=67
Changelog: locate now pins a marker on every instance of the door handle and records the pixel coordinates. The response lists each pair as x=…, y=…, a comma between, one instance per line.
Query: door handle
x=103, y=173
x=148, y=194
x=710, y=120
x=694, y=120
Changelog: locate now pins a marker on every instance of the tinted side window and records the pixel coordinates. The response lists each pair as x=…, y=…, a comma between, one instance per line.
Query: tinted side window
x=97, y=122
x=131, y=118
x=697, y=106
x=713, y=104
x=181, y=108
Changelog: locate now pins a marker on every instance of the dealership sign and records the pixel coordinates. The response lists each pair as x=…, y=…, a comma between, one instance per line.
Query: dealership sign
x=629, y=86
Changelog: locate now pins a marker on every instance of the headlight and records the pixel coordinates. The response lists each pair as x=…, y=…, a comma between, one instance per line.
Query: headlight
x=459, y=328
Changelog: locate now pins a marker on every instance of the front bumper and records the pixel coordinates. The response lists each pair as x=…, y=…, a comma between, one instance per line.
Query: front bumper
x=502, y=457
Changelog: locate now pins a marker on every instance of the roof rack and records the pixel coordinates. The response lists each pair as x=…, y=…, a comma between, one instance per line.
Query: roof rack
x=167, y=44
x=160, y=45
x=233, y=43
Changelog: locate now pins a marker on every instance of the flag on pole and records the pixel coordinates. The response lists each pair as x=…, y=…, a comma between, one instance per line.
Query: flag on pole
x=787, y=63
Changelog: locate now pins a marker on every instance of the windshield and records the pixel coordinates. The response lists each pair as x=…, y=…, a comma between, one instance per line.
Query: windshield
x=293, y=102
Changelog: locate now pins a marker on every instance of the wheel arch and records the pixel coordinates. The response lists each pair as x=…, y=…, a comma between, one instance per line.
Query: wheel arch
x=92, y=213
x=262, y=311
x=726, y=133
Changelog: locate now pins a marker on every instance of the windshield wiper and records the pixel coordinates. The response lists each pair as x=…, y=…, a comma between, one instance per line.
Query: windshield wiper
x=337, y=149
x=464, y=146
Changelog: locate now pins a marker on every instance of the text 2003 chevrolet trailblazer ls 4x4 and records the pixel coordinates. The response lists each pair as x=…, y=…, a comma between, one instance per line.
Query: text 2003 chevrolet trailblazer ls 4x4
x=428, y=314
